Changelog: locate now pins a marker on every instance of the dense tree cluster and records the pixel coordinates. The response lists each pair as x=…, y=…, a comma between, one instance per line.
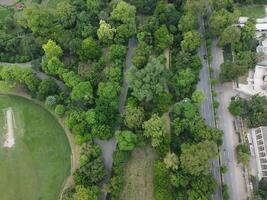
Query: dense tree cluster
x=254, y=110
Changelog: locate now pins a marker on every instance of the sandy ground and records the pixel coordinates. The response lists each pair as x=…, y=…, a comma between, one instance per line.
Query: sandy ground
x=10, y=140
x=7, y=2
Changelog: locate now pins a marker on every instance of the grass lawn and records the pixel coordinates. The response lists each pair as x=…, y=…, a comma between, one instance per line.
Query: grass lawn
x=39, y=162
x=252, y=11
x=4, y=12
x=139, y=175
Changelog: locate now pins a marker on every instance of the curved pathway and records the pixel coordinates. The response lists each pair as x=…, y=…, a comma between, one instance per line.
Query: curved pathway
x=38, y=73
x=108, y=147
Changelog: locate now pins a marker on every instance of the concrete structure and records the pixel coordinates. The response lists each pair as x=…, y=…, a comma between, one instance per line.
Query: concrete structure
x=259, y=140
x=257, y=78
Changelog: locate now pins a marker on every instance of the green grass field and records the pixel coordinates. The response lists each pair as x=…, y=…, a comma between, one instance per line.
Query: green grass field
x=252, y=11
x=4, y=12
x=39, y=162
x=139, y=175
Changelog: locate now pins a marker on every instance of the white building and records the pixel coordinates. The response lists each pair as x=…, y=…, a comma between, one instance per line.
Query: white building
x=259, y=140
x=257, y=78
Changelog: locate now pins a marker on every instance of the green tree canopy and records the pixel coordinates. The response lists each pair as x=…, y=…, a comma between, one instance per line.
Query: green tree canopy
x=126, y=140
x=191, y=42
x=83, y=92
x=51, y=50
x=163, y=39
x=155, y=128
x=195, y=158
x=89, y=50
x=149, y=81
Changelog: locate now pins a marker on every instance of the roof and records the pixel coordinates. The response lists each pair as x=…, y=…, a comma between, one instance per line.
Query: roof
x=261, y=26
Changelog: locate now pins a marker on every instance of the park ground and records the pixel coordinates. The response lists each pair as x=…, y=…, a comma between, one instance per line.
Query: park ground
x=39, y=162
x=139, y=175
x=252, y=11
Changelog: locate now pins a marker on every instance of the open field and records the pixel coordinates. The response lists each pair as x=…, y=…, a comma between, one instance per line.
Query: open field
x=35, y=167
x=252, y=11
x=139, y=175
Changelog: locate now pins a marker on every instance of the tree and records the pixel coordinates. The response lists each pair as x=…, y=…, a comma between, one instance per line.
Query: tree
x=124, y=12
x=235, y=36
x=60, y=110
x=230, y=71
x=117, y=52
x=66, y=14
x=83, y=193
x=262, y=189
x=220, y=20
x=171, y=161
x=195, y=6
x=243, y=153
x=83, y=92
x=105, y=32
x=51, y=50
x=155, y=128
x=53, y=66
x=126, y=140
x=183, y=82
x=247, y=35
x=147, y=82
x=163, y=39
x=191, y=41
x=237, y=107
x=133, y=117
x=47, y=87
x=195, y=158
x=188, y=22
x=50, y=101
x=89, y=50
x=71, y=79
x=198, y=97
x=161, y=183
x=39, y=20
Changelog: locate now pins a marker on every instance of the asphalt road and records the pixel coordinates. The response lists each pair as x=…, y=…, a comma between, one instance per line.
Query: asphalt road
x=234, y=178
x=206, y=107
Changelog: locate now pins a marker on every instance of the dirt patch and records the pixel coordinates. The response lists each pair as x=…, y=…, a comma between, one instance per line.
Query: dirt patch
x=139, y=175
x=7, y=2
x=10, y=125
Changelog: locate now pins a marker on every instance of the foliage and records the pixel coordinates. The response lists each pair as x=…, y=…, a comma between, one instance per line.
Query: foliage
x=126, y=140
x=191, y=42
x=161, y=182
x=262, y=189
x=147, y=82
x=243, y=153
x=105, y=32
x=133, y=117
x=89, y=50
x=195, y=157
x=220, y=20
x=230, y=71
x=155, y=128
x=50, y=101
x=60, y=110
x=83, y=193
x=46, y=88
x=237, y=107
x=163, y=39
x=171, y=161
x=83, y=92
x=51, y=50
x=225, y=39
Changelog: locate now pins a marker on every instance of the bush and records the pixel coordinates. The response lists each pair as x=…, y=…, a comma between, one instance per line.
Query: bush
x=60, y=110
x=161, y=182
x=51, y=101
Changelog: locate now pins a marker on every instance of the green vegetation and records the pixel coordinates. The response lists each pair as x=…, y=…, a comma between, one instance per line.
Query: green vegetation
x=243, y=154
x=252, y=11
x=253, y=110
x=39, y=162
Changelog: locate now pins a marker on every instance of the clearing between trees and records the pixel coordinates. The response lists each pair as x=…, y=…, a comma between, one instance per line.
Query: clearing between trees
x=139, y=175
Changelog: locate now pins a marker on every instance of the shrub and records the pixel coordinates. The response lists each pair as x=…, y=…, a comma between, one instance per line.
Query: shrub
x=60, y=110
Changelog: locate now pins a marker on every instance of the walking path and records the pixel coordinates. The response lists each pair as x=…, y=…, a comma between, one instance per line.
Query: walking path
x=38, y=73
x=108, y=147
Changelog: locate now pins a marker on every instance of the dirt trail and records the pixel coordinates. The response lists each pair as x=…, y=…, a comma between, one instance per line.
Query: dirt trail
x=7, y=2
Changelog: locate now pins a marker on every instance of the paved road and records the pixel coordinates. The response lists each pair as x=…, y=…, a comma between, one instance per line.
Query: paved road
x=206, y=107
x=234, y=177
